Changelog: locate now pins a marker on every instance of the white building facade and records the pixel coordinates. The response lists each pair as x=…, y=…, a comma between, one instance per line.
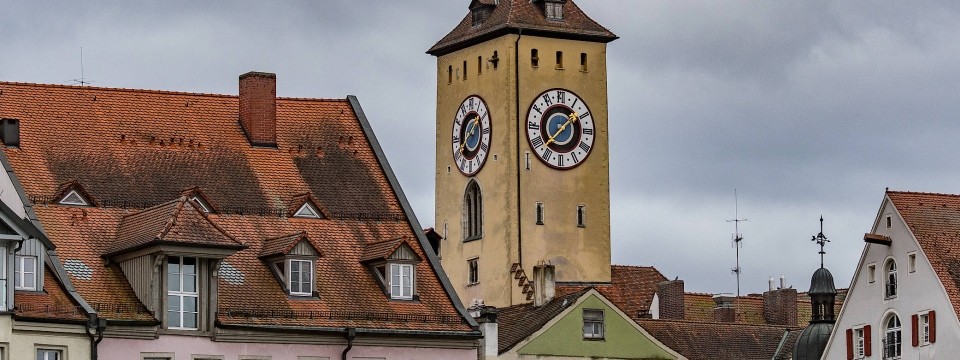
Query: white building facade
x=903, y=298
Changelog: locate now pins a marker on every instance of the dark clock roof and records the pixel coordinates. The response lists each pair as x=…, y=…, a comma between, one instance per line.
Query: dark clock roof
x=512, y=16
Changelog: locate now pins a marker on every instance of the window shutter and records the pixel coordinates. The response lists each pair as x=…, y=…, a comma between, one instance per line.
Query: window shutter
x=867, y=346
x=849, y=344
x=914, y=328
x=932, y=316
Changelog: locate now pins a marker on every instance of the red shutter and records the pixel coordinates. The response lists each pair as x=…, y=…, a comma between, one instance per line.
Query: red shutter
x=849, y=344
x=932, y=316
x=915, y=335
x=867, y=346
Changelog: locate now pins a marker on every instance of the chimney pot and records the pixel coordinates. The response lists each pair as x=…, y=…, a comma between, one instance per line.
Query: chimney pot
x=780, y=307
x=771, y=284
x=258, y=108
x=724, y=311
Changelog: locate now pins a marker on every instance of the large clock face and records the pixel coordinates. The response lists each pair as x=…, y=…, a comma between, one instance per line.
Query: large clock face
x=471, y=135
x=560, y=128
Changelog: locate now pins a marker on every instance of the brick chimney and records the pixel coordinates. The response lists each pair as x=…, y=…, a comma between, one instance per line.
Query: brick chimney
x=724, y=311
x=258, y=108
x=670, y=297
x=780, y=307
x=544, y=287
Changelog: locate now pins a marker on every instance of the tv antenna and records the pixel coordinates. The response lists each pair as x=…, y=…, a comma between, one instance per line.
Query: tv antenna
x=82, y=81
x=821, y=240
x=737, y=237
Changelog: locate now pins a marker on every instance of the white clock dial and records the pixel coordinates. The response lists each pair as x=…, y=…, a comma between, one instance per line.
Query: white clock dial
x=560, y=129
x=471, y=135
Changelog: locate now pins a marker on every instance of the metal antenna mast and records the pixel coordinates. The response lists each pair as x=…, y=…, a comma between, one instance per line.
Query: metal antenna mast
x=82, y=81
x=737, y=236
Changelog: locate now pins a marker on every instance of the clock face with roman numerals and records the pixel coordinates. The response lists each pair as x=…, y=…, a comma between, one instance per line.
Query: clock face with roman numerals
x=560, y=129
x=471, y=135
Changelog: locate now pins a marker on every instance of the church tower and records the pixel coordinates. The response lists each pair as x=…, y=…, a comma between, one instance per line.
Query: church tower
x=522, y=150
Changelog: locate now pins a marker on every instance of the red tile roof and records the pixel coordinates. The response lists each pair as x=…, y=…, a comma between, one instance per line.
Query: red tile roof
x=697, y=340
x=518, y=322
x=282, y=245
x=52, y=303
x=631, y=288
x=934, y=220
x=179, y=221
x=381, y=250
x=510, y=15
x=136, y=150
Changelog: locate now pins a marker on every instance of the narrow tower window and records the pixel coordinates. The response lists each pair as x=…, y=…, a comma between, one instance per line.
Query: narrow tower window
x=534, y=58
x=464, y=70
x=527, y=159
x=474, y=273
x=559, y=59
x=479, y=65
x=449, y=74
x=891, y=286
x=539, y=213
x=581, y=222
x=583, y=62
x=473, y=212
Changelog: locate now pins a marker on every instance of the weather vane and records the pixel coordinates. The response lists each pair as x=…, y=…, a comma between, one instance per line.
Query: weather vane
x=821, y=240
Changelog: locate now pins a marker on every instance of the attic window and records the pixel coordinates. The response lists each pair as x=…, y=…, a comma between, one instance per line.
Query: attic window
x=397, y=271
x=479, y=14
x=74, y=198
x=201, y=204
x=307, y=211
x=553, y=10
x=292, y=260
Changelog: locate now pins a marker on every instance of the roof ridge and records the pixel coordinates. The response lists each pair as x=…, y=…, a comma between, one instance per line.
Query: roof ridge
x=634, y=266
x=155, y=91
x=402, y=238
x=298, y=233
x=921, y=193
x=172, y=220
x=723, y=323
x=155, y=207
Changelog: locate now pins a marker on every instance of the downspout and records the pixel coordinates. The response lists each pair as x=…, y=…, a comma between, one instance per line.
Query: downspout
x=516, y=89
x=98, y=325
x=351, y=333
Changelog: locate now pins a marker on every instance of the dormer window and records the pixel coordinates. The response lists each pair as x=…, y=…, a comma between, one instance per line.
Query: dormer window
x=306, y=207
x=393, y=265
x=292, y=260
x=74, y=198
x=479, y=14
x=201, y=204
x=25, y=273
x=553, y=10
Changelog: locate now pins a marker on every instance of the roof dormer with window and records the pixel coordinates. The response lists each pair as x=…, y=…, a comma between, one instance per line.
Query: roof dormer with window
x=393, y=263
x=292, y=260
x=73, y=194
x=305, y=206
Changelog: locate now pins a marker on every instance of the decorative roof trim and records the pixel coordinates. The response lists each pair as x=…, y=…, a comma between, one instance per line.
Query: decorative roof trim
x=408, y=211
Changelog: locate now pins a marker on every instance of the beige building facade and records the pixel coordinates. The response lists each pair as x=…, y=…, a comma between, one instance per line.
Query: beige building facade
x=539, y=174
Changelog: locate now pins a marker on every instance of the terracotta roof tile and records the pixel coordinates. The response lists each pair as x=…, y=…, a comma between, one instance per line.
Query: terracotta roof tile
x=934, y=219
x=282, y=245
x=53, y=303
x=381, y=250
x=631, y=288
x=510, y=15
x=698, y=340
x=134, y=150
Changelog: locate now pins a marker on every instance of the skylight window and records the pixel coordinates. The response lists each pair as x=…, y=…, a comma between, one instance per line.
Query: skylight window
x=74, y=198
x=307, y=211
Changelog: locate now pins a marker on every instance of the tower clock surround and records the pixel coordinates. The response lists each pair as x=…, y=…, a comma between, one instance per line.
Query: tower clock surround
x=471, y=135
x=559, y=128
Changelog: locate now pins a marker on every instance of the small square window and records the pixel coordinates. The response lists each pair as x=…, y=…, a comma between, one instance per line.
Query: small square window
x=872, y=273
x=559, y=59
x=912, y=262
x=474, y=271
x=592, y=324
x=25, y=273
x=49, y=354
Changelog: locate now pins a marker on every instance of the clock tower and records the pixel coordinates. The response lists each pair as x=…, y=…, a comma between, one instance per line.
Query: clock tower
x=522, y=174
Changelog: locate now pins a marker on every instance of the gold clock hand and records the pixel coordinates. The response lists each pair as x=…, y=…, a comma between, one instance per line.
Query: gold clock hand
x=572, y=118
x=473, y=126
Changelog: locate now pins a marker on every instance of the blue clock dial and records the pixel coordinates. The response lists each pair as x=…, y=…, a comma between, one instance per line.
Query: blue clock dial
x=471, y=135
x=560, y=129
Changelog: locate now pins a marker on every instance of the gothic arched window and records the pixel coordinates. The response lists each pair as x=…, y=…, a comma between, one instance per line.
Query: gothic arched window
x=472, y=212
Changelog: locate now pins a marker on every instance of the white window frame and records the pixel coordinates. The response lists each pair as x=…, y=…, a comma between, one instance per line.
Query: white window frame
x=553, y=11
x=307, y=211
x=924, y=328
x=300, y=281
x=45, y=352
x=859, y=343
x=22, y=275
x=888, y=334
x=593, y=327
x=912, y=262
x=401, y=286
x=181, y=295
x=890, y=279
x=872, y=273
x=74, y=194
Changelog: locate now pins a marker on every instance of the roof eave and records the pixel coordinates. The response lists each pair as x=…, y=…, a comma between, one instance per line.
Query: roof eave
x=440, y=50
x=217, y=251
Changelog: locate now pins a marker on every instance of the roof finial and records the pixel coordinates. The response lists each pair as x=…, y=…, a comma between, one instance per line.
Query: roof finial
x=821, y=240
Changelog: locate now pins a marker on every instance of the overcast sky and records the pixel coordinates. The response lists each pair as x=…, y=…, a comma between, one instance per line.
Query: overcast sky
x=805, y=107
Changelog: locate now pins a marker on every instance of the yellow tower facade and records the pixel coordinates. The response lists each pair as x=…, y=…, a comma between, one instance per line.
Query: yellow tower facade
x=522, y=154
